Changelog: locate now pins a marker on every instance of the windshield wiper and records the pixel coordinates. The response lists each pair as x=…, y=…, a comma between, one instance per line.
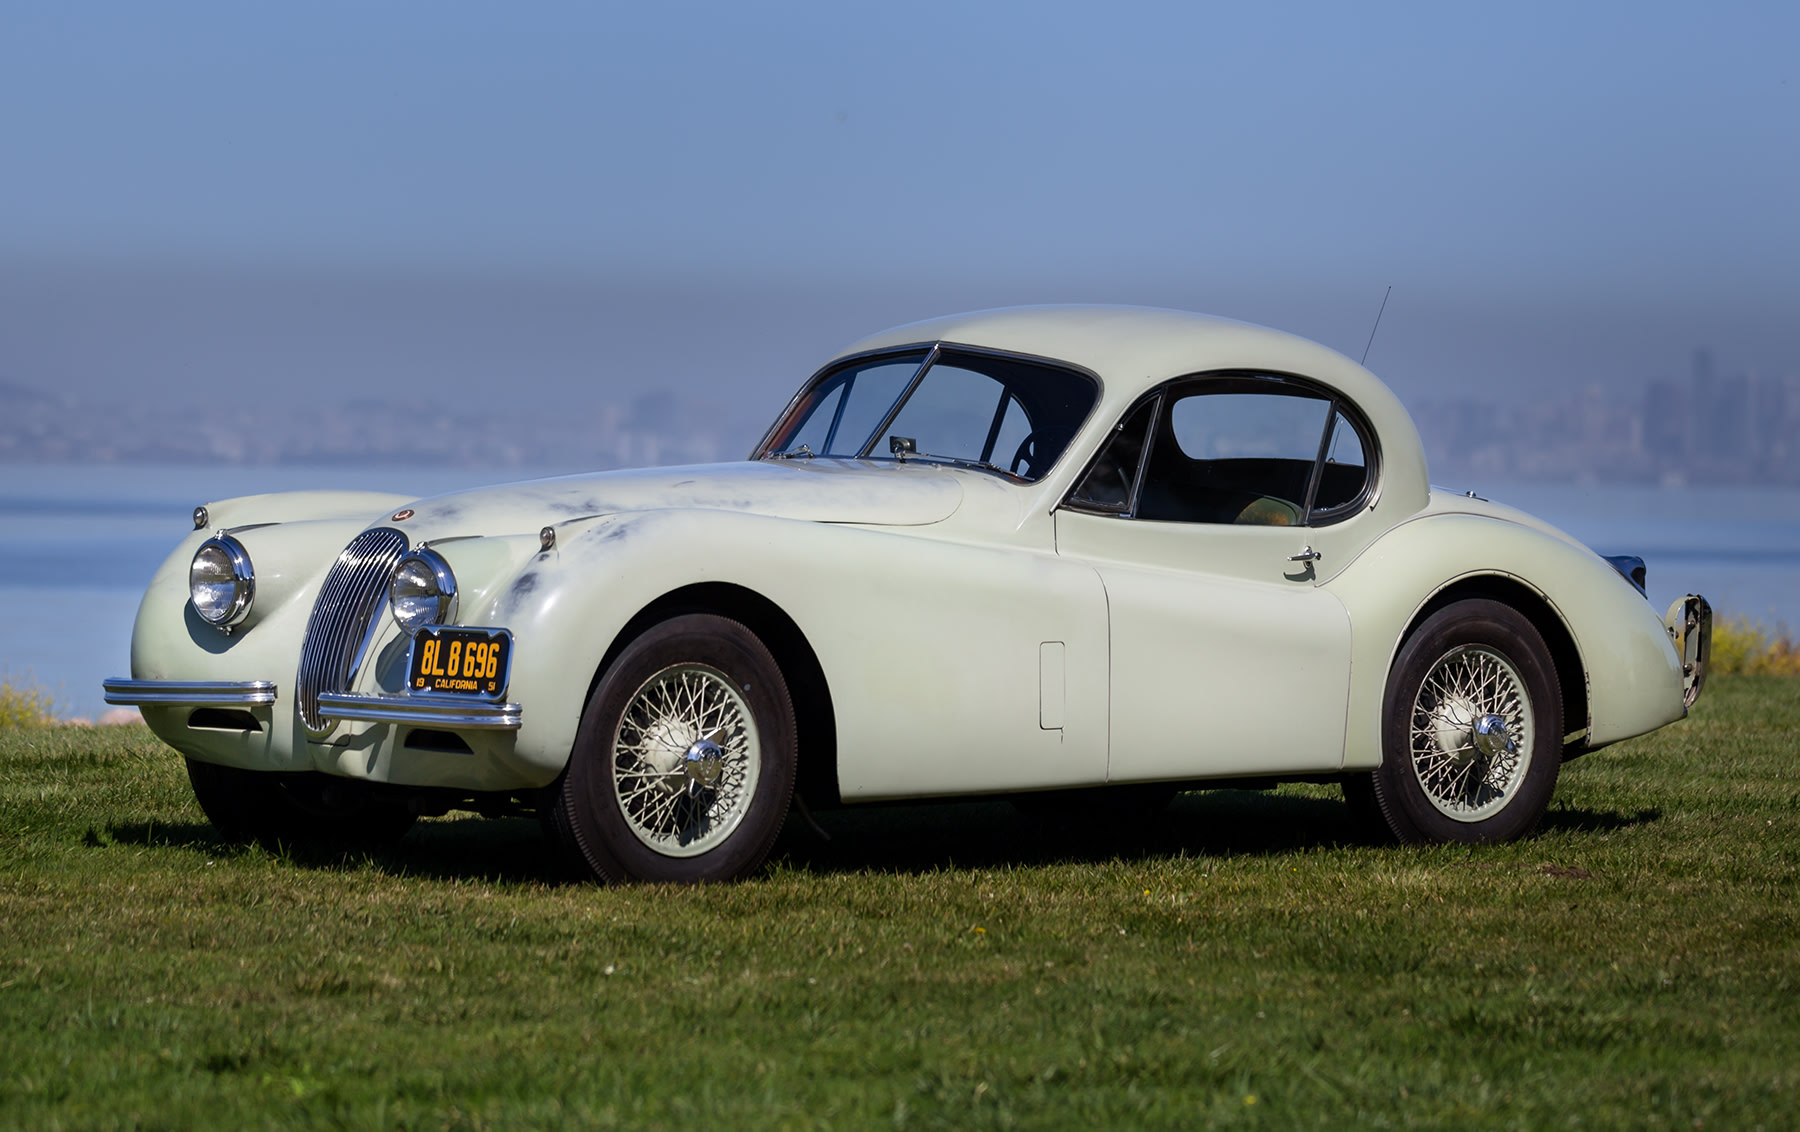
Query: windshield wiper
x=964, y=462
x=797, y=453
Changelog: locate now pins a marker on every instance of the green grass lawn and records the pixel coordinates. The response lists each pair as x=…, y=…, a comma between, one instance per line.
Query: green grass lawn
x=1241, y=961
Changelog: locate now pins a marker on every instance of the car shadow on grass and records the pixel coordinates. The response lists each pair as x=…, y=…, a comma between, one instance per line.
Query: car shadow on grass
x=504, y=850
x=1562, y=819
x=983, y=834
x=1215, y=823
x=904, y=838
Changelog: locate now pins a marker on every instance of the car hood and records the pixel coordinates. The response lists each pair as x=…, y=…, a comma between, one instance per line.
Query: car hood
x=824, y=491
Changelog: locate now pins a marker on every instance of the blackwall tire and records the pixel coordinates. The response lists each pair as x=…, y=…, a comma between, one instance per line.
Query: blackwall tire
x=683, y=768
x=1471, y=728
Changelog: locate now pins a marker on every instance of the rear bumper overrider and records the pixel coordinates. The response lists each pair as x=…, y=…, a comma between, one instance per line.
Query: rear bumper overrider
x=1689, y=624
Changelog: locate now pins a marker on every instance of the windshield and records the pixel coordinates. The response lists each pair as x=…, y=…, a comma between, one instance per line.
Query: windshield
x=1003, y=414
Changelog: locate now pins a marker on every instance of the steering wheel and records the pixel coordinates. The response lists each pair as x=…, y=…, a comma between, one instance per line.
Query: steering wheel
x=1026, y=454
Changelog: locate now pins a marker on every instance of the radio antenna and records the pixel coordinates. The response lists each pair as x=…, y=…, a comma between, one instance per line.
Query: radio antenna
x=1377, y=326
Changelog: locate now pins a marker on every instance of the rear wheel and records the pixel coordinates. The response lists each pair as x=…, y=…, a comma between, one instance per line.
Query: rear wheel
x=683, y=768
x=1471, y=728
x=247, y=805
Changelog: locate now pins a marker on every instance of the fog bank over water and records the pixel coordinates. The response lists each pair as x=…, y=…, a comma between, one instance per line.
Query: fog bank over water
x=266, y=365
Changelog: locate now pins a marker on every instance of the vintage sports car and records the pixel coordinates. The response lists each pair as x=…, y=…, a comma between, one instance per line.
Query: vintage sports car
x=1006, y=553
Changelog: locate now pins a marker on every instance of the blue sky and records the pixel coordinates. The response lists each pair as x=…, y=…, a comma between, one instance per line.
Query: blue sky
x=1557, y=192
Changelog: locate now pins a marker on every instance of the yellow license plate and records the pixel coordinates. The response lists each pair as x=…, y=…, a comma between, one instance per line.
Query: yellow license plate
x=462, y=662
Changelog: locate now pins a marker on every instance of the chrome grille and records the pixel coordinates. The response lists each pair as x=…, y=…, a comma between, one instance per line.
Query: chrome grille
x=341, y=618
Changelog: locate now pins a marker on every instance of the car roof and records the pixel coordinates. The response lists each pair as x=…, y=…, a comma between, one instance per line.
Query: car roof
x=1133, y=345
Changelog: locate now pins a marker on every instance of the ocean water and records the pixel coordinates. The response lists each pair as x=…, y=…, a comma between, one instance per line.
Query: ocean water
x=79, y=543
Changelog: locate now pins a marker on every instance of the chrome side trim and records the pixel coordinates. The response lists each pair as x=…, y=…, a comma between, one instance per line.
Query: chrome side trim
x=196, y=693
x=436, y=711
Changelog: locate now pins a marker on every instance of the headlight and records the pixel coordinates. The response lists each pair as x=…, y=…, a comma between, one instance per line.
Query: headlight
x=221, y=581
x=422, y=591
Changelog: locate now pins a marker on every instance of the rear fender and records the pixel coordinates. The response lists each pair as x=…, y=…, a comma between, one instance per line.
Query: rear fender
x=1632, y=673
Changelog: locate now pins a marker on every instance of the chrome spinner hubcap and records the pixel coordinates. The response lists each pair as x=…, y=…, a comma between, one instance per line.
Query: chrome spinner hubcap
x=704, y=766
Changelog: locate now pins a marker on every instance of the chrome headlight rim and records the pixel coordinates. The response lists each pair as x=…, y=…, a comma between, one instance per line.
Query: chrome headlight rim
x=439, y=606
x=243, y=581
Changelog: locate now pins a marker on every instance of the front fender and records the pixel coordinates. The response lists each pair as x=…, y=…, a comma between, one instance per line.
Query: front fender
x=566, y=605
x=933, y=649
x=1633, y=675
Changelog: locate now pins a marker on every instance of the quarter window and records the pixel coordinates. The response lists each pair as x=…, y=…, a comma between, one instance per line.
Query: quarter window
x=1110, y=483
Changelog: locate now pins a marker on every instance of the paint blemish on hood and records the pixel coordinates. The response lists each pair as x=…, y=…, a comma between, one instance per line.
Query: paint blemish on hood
x=824, y=491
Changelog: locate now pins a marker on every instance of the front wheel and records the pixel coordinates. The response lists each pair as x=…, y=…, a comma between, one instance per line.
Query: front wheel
x=1471, y=728
x=684, y=764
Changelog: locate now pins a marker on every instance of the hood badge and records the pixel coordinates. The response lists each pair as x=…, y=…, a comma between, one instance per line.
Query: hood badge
x=402, y=516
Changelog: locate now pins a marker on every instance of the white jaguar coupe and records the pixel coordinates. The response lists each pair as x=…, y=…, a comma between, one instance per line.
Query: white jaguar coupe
x=1016, y=552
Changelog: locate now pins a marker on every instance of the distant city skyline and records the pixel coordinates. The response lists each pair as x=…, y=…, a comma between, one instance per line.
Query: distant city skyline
x=1714, y=427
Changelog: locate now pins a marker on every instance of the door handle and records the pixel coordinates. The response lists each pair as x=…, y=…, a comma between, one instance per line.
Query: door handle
x=1307, y=554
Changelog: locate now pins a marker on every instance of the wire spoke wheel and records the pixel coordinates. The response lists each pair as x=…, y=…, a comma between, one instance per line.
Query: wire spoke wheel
x=684, y=765
x=686, y=757
x=1470, y=743
x=1472, y=733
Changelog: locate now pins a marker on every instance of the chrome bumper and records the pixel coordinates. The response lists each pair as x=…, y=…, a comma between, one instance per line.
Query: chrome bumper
x=430, y=711
x=189, y=693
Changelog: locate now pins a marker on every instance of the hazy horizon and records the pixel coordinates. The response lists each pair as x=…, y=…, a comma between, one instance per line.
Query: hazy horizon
x=582, y=205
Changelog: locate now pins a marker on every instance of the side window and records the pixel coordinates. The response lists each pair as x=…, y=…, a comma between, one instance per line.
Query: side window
x=1110, y=481
x=1346, y=470
x=1234, y=451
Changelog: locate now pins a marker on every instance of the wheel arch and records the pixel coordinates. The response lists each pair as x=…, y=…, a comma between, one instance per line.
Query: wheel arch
x=816, y=779
x=1571, y=671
